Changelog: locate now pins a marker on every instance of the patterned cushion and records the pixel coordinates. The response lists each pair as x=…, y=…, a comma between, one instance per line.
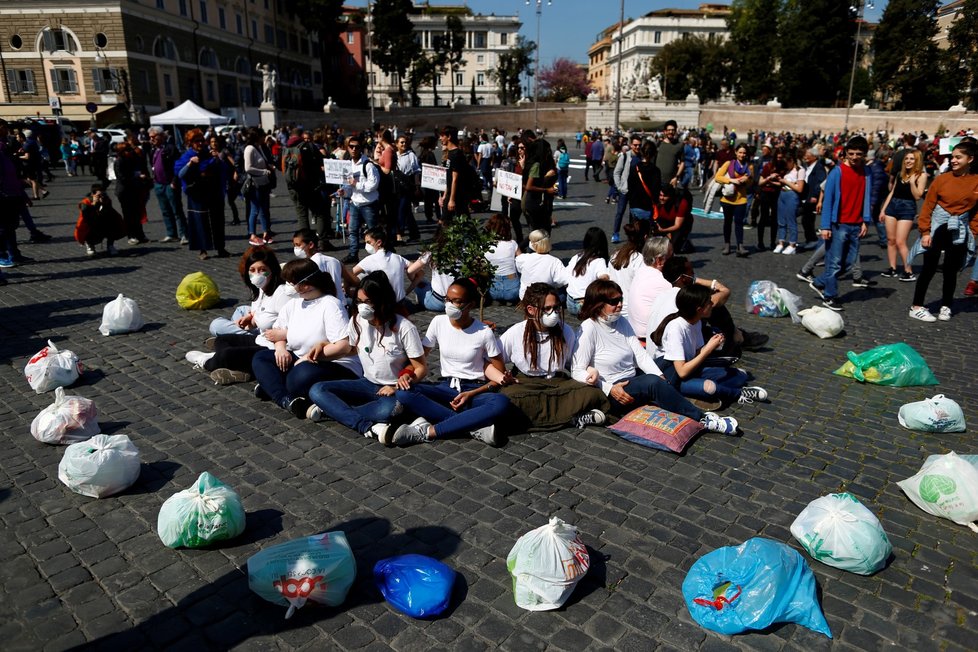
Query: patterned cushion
x=657, y=428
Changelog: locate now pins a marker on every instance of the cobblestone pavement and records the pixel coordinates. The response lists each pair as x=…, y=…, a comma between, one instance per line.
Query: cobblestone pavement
x=76, y=570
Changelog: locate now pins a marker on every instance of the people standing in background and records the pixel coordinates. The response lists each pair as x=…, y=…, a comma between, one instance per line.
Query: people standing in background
x=132, y=187
x=166, y=186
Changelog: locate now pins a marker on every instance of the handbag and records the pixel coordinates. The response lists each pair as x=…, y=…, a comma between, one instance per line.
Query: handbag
x=249, y=185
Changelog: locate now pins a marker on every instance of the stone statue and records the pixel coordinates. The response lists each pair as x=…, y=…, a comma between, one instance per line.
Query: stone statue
x=269, y=80
x=655, y=87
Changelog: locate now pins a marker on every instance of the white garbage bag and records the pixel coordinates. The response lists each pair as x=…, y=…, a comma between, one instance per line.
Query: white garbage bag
x=68, y=419
x=937, y=414
x=208, y=511
x=839, y=531
x=946, y=486
x=102, y=466
x=50, y=368
x=546, y=565
x=823, y=322
x=121, y=315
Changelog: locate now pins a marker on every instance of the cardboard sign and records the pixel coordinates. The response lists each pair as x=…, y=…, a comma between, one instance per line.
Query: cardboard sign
x=337, y=172
x=509, y=184
x=434, y=177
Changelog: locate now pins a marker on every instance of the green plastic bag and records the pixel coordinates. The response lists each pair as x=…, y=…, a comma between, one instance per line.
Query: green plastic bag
x=197, y=291
x=897, y=365
x=207, y=512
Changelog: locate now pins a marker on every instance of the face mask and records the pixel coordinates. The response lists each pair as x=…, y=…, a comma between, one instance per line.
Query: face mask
x=610, y=319
x=370, y=248
x=299, y=252
x=258, y=280
x=453, y=311
x=550, y=319
x=828, y=161
x=366, y=311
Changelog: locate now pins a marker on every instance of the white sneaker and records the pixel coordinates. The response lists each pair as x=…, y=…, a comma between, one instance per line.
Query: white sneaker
x=589, y=418
x=377, y=431
x=133, y=241
x=923, y=314
x=415, y=432
x=944, y=314
x=751, y=394
x=778, y=249
x=89, y=250
x=198, y=358
x=486, y=435
x=315, y=413
x=790, y=249
x=715, y=423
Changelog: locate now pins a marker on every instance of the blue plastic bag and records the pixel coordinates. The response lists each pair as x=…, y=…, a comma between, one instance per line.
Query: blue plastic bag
x=751, y=587
x=415, y=585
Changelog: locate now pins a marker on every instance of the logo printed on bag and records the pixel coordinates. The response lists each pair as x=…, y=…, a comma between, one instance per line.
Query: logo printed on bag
x=576, y=567
x=43, y=353
x=933, y=486
x=297, y=588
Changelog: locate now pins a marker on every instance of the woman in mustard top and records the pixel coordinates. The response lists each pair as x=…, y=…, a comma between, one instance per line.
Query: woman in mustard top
x=735, y=177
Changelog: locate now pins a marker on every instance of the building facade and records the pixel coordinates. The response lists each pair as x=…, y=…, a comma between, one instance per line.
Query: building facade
x=135, y=58
x=486, y=37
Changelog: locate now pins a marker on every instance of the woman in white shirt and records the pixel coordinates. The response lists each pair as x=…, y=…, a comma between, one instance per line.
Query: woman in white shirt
x=506, y=284
x=540, y=347
x=390, y=352
x=682, y=353
x=381, y=260
x=609, y=356
x=235, y=342
x=629, y=257
x=538, y=266
x=464, y=400
x=792, y=185
x=589, y=265
x=286, y=373
x=261, y=173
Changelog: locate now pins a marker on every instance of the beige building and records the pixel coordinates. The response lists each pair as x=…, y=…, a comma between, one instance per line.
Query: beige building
x=140, y=57
x=946, y=15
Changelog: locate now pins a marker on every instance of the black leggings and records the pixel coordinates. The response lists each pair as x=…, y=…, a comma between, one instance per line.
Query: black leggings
x=954, y=256
x=233, y=352
x=768, y=218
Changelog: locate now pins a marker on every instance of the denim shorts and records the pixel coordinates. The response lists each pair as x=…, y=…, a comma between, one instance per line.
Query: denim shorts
x=902, y=209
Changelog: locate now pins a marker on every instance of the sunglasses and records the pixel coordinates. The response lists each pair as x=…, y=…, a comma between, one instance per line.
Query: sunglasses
x=613, y=302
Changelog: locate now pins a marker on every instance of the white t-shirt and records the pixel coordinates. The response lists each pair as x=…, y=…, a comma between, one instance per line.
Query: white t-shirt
x=577, y=285
x=503, y=256
x=623, y=277
x=439, y=282
x=310, y=322
x=334, y=268
x=485, y=150
x=613, y=350
x=463, y=352
x=798, y=174
x=393, y=265
x=681, y=340
x=383, y=356
x=663, y=306
x=540, y=268
x=647, y=284
x=512, y=345
x=265, y=309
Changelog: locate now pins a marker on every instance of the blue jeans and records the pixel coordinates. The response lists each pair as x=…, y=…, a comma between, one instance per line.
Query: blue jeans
x=573, y=305
x=842, y=234
x=728, y=381
x=649, y=389
x=354, y=403
x=562, y=174
x=620, y=211
x=641, y=214
x=260, y=208
x=282, y=387
x=360, y=217
x=431, y=403
x=426, y=297
x=505, y=289
x=225, y=326
x=174, y=221
x=406, y=224
x=788, y=216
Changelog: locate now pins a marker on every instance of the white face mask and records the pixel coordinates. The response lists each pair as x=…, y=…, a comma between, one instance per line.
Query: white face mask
x=370, y=248
x=828, y=161
x=610, y=319
x=366, y=311
x=299, y=252
x=453, y=311
x=550, y=319
x=258, y=280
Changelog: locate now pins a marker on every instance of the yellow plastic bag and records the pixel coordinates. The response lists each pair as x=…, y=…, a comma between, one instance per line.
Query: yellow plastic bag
x=197, y=291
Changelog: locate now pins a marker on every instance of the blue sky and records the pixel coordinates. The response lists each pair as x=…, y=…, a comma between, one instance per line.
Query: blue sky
x=569, y=27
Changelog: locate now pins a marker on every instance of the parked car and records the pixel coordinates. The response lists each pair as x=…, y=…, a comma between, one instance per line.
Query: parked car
x=115, y=136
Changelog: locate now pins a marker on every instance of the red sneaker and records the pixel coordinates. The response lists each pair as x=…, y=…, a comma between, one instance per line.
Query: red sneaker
x=972, y=289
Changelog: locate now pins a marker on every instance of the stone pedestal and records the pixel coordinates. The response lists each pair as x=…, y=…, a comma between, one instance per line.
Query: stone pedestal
x=268, y=116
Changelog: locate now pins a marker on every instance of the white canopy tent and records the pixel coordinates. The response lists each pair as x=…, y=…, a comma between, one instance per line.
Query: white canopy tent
x=188, y=114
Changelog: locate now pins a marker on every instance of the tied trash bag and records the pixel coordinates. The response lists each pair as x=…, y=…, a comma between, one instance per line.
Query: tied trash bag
x=751, y=587
x=68, y=419
x=208, y=511
x=937, y=414
x=197, y=291
x=839, y=531
x=766, y=299
x=896, y=365
x=50, y=368
x=946, y=486
x=415, y=585
x=121, y=315
x=102, y=466
x=823, y=322
x=546, y=565
x=318, y=568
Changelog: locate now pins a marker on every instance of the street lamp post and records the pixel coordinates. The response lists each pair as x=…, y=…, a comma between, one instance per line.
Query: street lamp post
x=536, y=75
x=621, y=44
x=858, y=9
x=370, y=61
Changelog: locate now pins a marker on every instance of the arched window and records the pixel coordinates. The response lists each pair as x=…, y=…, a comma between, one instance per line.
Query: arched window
x=207, y=58
x=163, y=48
x=58, y=39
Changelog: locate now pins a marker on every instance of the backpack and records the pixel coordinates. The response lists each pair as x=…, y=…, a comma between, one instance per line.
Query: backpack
x=563, y=161
x=291, y=166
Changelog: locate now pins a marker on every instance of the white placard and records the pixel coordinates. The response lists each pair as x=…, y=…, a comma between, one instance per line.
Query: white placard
x=947, y=144
x=434, y=177
x=509, y=184
x=337, y=171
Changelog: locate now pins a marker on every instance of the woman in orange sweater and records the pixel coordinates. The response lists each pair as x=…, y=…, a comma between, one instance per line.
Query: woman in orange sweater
x=944, y=227
x=735, y=177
